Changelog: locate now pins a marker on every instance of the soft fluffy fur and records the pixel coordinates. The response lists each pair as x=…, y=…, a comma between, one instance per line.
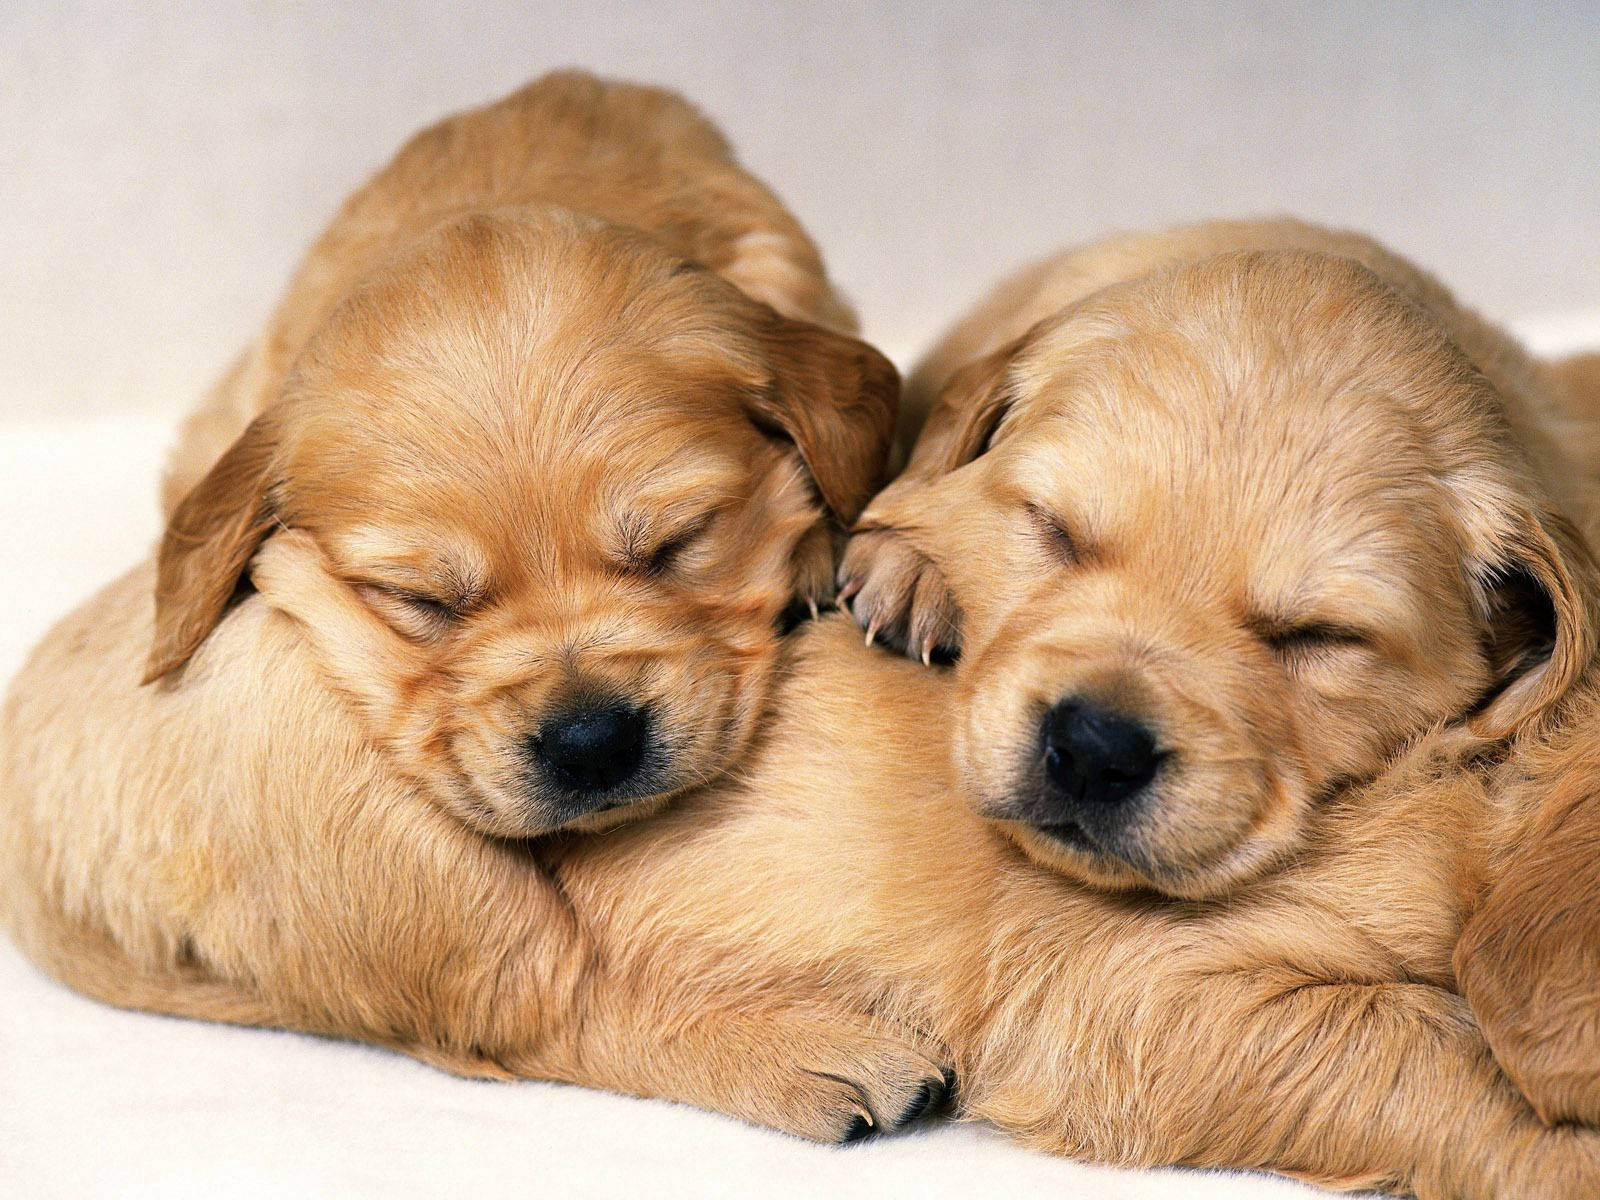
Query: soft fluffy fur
x=517, y=400
x=238, y=849
x=1309, y=1023
x=1530, y=958
x=1358, y=354
x=1264, y=487
x=718, y=953
x=553, y=419
x=183, y=850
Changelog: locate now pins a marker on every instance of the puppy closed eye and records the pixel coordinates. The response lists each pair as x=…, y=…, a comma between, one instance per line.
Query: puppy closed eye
x=1310, y=639
x=660, y=558
x=1057, y=538
x=420, y=617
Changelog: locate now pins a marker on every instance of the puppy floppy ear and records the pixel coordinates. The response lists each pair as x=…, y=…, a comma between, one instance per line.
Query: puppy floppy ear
x=835, y=398
x=969, y=409
x=208, y=543
x=1537, y=593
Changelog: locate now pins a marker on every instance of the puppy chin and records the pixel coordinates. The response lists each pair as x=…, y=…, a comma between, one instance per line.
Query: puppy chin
x=623, y=813
x=1068, y=852
x=1135, y=859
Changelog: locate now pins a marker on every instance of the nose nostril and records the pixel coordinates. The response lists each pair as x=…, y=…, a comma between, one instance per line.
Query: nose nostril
x=593, y=749
x=1097, y=755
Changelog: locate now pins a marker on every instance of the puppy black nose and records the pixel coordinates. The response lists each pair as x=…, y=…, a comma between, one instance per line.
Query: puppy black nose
x=1095, y=755
x=593, y=750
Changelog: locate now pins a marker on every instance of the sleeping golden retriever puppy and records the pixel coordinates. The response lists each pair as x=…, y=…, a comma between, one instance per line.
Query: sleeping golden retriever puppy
x=277, y=870
x=810, y=942
x=526, y=397
x=1222, y=519
x=237, y=848
x=550, y=410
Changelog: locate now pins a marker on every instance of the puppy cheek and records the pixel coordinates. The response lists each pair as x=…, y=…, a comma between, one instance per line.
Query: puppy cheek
x=1356, y=731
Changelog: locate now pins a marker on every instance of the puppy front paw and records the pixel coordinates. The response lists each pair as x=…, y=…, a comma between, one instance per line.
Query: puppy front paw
x=814, y=586
x=897, y=594
x=859, y=1081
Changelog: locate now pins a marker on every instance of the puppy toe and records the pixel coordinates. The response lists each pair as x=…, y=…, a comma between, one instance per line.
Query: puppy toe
x=930, y=1099
x=859, y=1130
x=880, y=578
x=935, y=621
x=814, y=582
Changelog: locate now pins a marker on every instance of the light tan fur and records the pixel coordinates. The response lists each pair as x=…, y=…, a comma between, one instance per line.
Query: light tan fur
x=1529, y=961
x=1308, y=1024
x=1264, y=487
x=635, y=157
x=541, y=446
x=163, y=848
x=517, y=402
x=237, y=849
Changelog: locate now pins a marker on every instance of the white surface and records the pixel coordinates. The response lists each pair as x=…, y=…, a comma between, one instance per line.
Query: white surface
x=95, y=1102
x=162, y=164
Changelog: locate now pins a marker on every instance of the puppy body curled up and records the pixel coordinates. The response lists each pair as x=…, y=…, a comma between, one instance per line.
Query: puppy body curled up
x=1306, y=1022
x=1376, y=577
x=1269, y=619
x=555, y=408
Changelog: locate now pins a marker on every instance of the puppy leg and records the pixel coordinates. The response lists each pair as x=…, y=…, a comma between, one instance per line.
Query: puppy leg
x=1352, y=1086
x=806, y=1065
x=92, y=963
x=1529, y=958
x=899, y=593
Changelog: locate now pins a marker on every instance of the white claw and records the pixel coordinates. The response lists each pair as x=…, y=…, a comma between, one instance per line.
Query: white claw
x=811, y=602
x=927, y=654
x=872, y=632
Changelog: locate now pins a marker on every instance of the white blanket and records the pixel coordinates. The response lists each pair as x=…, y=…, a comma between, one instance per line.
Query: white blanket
x=97, y=1102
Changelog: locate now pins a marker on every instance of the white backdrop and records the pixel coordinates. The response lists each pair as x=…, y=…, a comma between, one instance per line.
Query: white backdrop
x=163, y=164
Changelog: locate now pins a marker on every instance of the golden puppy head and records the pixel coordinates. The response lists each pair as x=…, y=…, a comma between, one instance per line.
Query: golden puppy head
x=1226, y=538
x=572, y=485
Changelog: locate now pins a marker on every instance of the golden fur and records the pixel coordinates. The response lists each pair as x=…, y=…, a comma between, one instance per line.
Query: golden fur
x=237, y=848
x=1529, y=960
x=1263, y=487
x=516, y=399
x=552, y=423
x=1308, y=1023
x=187, y=855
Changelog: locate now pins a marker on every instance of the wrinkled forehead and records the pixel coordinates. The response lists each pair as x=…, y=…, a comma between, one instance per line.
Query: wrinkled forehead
x=1226, y=457
x=553, y=410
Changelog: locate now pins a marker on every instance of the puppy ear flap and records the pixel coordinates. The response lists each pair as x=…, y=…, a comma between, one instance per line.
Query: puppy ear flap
x=835, y=398
x=969, y=409
x=1540, y=620
x=208, y=543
